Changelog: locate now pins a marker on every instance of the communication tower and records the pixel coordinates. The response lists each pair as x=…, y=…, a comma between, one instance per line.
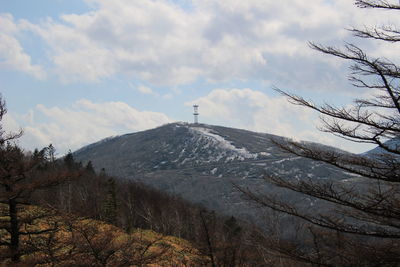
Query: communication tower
x=196, y=113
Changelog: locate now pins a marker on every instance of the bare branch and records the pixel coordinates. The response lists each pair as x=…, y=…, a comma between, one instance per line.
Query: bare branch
x=379, y=4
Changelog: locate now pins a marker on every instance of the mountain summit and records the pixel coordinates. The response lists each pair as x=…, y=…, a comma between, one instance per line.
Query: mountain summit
x=200, y=162
x=179, y=146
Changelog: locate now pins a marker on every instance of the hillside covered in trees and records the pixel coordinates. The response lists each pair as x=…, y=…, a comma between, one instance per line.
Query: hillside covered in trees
x=59, y=212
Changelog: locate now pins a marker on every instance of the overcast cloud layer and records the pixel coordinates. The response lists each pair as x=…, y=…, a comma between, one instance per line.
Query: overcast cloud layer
x=162, y=44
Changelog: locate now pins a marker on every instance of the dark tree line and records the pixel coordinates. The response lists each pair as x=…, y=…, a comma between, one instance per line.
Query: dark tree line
x=363, y=225
x=221, y=241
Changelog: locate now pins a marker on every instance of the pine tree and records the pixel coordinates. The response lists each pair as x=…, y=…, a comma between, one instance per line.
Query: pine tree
x=110, y=205
x=89, y=167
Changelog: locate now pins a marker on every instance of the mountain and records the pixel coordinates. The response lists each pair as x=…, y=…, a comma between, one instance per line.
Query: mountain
x=393, y=143
x=201, y=162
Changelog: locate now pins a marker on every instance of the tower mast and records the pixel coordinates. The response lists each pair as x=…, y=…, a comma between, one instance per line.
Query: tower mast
x=196, y=113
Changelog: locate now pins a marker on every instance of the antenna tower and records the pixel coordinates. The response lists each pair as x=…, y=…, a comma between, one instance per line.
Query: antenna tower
x=196, y=113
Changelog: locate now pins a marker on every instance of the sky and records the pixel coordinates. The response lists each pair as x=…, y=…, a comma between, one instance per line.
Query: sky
x=73, y=72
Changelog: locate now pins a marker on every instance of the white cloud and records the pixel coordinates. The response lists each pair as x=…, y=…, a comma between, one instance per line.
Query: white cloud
x=252, y=110
x=10, y=124
x=85, y=122
x=163, y=44
x=146, y=90
x=255, y=110
x=168, y=96
x=12, y=55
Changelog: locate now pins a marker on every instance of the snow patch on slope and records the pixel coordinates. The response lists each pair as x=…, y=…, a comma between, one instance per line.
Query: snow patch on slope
x=241, y=153
x=286, y=159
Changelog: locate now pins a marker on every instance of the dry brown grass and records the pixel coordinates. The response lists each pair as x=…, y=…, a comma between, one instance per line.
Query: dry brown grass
x=73, y=241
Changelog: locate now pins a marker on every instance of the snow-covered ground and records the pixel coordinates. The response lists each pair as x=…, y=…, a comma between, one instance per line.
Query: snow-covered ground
x=222, y=143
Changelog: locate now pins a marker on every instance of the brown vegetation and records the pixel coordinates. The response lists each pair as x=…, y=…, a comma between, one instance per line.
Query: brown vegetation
x=76, y=241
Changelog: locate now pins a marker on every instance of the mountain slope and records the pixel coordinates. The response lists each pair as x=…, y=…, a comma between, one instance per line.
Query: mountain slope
x=227, y=151
x=200, y=163
x=393, y=144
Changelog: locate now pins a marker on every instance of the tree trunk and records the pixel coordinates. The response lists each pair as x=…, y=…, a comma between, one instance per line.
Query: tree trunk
x=14, y=230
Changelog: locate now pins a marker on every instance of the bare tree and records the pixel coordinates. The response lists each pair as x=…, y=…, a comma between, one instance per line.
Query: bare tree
x=21, y=174
x=363, y=226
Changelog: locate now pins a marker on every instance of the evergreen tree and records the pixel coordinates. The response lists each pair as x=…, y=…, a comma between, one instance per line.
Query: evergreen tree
x=69, y=160
x=89, y=167
x=110, y=205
